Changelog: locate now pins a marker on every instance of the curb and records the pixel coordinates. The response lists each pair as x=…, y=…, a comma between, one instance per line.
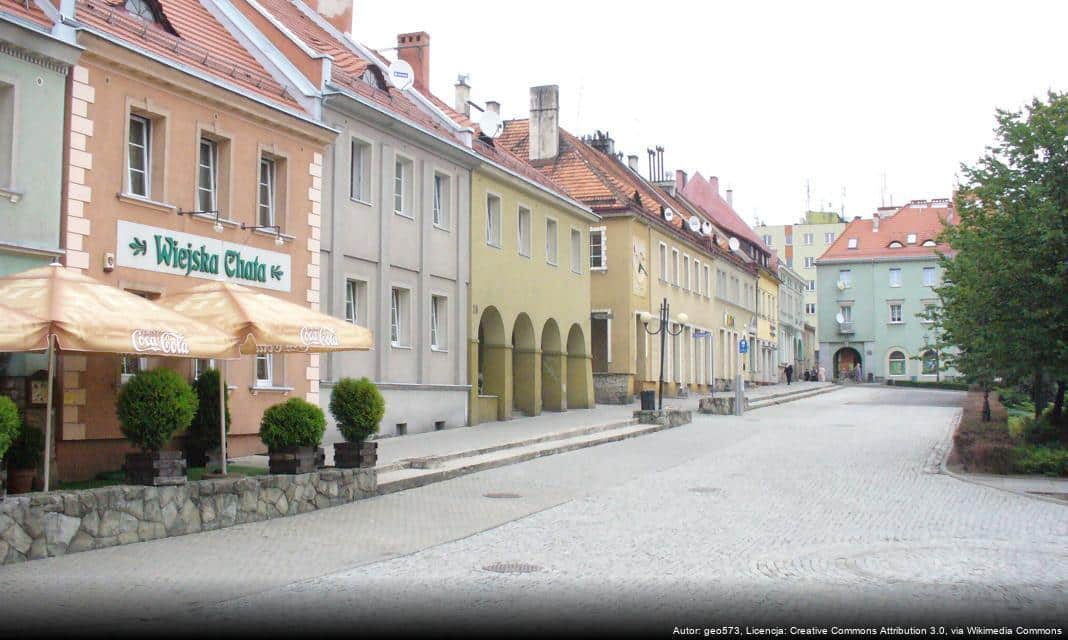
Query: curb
x=943, y=469
x=758, y=404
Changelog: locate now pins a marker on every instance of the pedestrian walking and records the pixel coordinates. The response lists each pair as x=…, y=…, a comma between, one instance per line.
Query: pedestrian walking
x=858, y=376
x=789, y=374
x=823, y=374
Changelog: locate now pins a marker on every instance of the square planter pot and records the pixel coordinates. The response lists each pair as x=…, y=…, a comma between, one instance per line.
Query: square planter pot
x=291, y=460
x=355, y=455
x=155, y=468
x=20, y=480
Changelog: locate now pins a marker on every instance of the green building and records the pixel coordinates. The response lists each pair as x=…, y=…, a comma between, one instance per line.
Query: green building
x=875, y=287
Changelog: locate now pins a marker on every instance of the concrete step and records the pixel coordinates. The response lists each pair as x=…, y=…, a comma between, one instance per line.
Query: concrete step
x=442, y=468
x=781, y=398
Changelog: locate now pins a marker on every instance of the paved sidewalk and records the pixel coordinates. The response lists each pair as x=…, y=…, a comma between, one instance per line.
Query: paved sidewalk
x=1018, y=483
x=754, y=392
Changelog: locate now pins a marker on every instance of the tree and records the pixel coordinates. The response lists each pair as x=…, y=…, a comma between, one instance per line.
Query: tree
x=1003, y=297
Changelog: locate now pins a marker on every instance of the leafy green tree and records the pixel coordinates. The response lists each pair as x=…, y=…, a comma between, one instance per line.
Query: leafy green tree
x=1003, y=296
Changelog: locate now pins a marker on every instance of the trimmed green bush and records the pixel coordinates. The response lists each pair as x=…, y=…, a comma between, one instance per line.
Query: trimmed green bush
x=27, y=451
x=10, y=423
x=952, y=386
x=1047, y=460
x=294, y=423
x=153, y=405
x=358, y=407
x=204, y=430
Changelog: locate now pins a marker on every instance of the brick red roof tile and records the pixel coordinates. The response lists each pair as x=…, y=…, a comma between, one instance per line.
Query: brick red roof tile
x=31, y=13
x=706, y=194
x=925, y=221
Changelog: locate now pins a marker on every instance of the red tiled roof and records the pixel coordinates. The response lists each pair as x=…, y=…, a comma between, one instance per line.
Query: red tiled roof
x=926, y=222
x=32, y=13
x=202, y=44
x=706, y=194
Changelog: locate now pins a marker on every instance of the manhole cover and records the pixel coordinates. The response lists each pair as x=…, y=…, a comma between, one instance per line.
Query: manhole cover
x=512, y=567
x=502, y=495
x=704, y=489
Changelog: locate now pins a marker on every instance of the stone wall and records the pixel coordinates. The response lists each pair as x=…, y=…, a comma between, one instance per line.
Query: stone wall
x=665, y=417
x=612, y=388
x=40, y=525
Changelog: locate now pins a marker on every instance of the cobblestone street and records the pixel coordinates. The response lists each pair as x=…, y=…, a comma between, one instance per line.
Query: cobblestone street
x=829, y=509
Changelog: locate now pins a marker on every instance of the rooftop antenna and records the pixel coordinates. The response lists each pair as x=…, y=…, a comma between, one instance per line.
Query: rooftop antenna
x=884, y=190
x=843, y=202
x=808, y=196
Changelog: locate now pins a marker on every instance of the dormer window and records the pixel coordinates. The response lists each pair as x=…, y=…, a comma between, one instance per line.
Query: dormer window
x=851, y=243
x=895, y=245
x=142, y=10
x=911, y=238
x=928, y=243
x=147, y=10
x=371, y=77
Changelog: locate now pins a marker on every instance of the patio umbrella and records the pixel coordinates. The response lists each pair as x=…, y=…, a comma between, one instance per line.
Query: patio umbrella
x=263, y=322
x=53, y=307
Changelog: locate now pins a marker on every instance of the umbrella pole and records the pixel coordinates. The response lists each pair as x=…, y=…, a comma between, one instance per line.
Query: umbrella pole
x=48, y=412
x=222, y=414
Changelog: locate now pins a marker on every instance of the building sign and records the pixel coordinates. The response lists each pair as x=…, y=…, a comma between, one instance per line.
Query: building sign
x=743, y=346
x=166, y=251
x=701, y=333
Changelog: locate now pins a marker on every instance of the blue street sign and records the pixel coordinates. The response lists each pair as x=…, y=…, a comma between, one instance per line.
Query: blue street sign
x=743, y=346
x=700, y=333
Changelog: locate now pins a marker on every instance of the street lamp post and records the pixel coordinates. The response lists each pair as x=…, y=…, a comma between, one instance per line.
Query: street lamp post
x=663, y=330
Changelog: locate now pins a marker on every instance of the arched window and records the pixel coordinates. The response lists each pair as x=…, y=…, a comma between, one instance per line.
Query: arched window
x=897, y=363
x=928, y=243
x=142, y=10
x=895, y=245
x=930, y=362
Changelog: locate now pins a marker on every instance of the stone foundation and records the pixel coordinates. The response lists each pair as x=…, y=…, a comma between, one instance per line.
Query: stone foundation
x=665, y=417
x=612, y=388
x=723, y=406
x=40, y=525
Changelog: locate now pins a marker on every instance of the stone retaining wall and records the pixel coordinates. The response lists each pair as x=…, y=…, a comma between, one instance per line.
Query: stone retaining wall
x=40, y=525
x=665, y=417
x=612, y=388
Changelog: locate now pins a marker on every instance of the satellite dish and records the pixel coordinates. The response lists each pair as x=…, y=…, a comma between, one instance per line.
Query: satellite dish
x=706, y=228
x=839, y=317
x=734, y=244
x=401, y=74
x=491, y=124
x=695, y=224
x=668, y=214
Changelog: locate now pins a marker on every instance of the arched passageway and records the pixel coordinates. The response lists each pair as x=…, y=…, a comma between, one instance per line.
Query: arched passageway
x=553, y=368
x=579, y=370
x=526, y=370
x=494, y=367
x=846, y=360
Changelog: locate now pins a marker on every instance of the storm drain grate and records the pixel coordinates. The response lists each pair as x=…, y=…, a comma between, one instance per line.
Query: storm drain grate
x=512, y=567
x=502, y=495
x=705, y=489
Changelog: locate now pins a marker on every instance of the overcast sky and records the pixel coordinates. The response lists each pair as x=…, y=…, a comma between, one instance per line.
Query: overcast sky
x=768, y=96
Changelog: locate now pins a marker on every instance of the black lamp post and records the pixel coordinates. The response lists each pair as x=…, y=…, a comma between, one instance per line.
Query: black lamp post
x=663, y=330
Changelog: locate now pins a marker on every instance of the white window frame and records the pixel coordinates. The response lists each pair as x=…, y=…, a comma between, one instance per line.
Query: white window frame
x=602, y=252
x=808, y=238
x=829, y=237
x=524, y=241
x=809, y=261
x=403, y=177
x=212, y=190
x=674, y=267
x=910, y=238
x=552, y=249
x=663, y=262
x=267, y=382
x=493, y=220
x=851, y=243
x=707, y=274
x=685, y=272
x=810, y=308
x=400, y=302
x=894, y=271
x=575, y=250
x=442, y=197
x=846, y=276
x=810, y=285
x=124, y=374
x=355, y=297
x=904, y=361
x=439, y=323
x=934, y=277
x=900, y=313
x=146, y=155
x=360, y=164
x=269, y=207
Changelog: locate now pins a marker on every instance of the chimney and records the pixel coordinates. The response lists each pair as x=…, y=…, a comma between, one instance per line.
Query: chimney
x=336, y=12
x=602, y=141
x=414, y=48
x=730, y=197
x=680, y=179
x=494, y=106
x=714, y=181
x=463, y=94
x=544, y=124
x=875, y=223
x=632, y=162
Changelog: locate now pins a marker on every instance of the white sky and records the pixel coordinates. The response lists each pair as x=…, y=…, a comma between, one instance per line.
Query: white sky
x=766, y=95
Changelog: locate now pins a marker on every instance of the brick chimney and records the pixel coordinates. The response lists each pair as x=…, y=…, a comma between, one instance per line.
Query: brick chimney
x=414, y=48
x=730, y=197
x=875, y=223
x=336, y=12
x=494, y=106
x=544, y=122
x=463, y=94
x=680, y=179
x=632, y=162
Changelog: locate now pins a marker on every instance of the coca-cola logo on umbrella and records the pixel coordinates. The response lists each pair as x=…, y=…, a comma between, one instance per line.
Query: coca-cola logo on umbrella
x=318, y=337
x=159, y=341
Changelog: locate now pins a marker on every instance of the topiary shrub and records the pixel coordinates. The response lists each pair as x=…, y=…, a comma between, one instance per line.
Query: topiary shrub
x=204, y=430
x=153, y=405
x=294, y=423
x=358, y=407
x=10, y=423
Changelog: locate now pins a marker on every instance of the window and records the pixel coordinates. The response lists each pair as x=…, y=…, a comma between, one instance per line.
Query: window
x=810, y=308
x=895, y=313
x=929, y=276
x=721, y=283
x=360, y=171
x=207, y=175
x=398, y=317
x=810, y=285
x=439, y=315
x=828, y=238
x=139, y=157
x=264, y=370
x=355, y=301
x=845, y=276
x=897, y=363
x=267, y=185
x=663, y=262
x=706, y=283
x=523, y=229
x=930, y=362
x=675, y=267
x=929, y=311
x=851, y=243
x=895, y=277
x=847, y=312
x=441, y=200
x=767, y=240
x=895, y=245
x=402, y=187
x=493, y=220
x=598, y=257
x=551, y=242
x=928, y=243
x=808, y=239
x=141, y=9
x=7, y=135
x=686, y=272
x=789, y=241
x=809, y=261
x=789, y=263
x=131, y=366
x=910, y=238
x=576, y=251
x=200, y=365
x=696, y=276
